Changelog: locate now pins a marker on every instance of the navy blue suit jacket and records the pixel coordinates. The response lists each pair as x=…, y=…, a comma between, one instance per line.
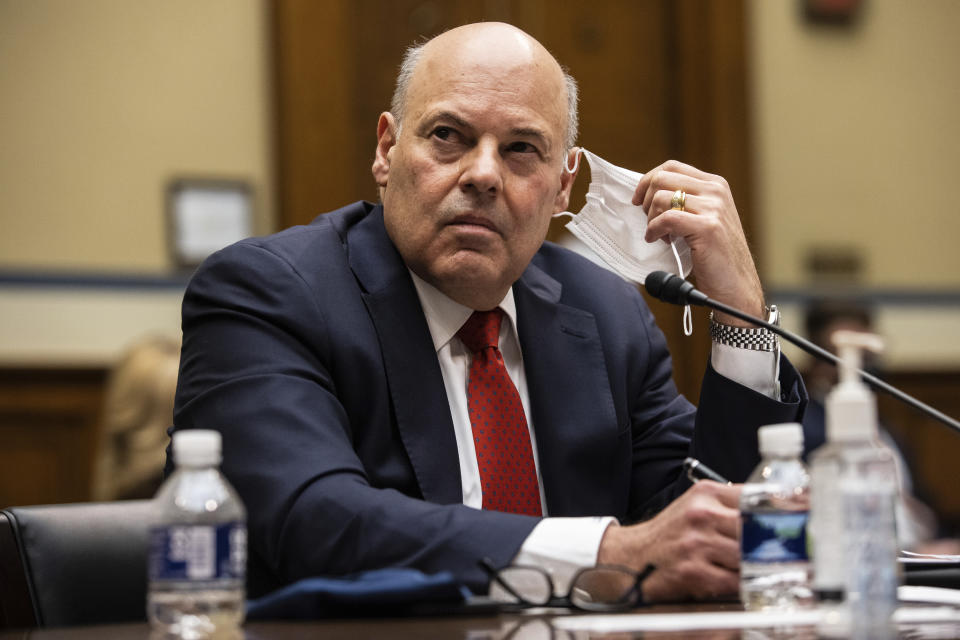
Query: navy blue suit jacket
x=309, y=351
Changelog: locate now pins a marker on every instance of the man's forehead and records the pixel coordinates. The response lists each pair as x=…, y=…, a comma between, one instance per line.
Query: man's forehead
x=486, y=49
x=518, y=77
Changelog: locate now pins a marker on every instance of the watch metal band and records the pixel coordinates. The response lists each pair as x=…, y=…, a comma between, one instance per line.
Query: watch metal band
x=752, y=338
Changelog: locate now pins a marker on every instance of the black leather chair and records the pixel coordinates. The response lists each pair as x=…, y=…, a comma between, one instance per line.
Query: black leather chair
x=73, y=564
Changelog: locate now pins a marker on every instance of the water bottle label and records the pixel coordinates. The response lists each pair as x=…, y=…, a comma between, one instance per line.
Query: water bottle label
x=774, y=537
x=198, y=552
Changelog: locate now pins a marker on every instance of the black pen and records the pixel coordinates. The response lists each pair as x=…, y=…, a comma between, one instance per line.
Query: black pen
x=696, y=470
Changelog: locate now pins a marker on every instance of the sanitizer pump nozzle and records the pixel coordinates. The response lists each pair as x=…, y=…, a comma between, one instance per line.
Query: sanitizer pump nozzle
x=850, y=406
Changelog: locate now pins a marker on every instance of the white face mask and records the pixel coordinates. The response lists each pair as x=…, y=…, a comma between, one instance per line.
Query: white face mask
x=613, y=227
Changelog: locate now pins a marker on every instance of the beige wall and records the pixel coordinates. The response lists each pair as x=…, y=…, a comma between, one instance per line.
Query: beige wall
x=70, y=327
x=857, y=136
x=103, y=101
x=858, y=140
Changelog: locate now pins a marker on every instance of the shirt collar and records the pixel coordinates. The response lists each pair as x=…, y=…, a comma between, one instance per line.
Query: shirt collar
x=445, y=316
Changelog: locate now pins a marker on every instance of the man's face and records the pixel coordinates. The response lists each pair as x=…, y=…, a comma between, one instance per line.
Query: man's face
x=471, y=179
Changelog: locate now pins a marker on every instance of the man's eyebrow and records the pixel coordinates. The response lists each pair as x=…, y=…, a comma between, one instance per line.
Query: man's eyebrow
x=448, y=115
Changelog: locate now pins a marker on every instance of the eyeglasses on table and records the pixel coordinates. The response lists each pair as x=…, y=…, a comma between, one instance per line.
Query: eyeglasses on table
x=600, y=588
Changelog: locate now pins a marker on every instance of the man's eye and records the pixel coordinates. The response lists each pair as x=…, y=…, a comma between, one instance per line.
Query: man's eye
x=522, y=147
x=444, y=133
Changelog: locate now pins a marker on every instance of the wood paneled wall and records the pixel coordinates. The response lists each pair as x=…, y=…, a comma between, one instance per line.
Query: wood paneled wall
x=48, y=432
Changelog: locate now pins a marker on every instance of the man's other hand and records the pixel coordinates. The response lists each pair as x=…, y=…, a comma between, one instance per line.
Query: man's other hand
x=694, y=544
x=722, y=262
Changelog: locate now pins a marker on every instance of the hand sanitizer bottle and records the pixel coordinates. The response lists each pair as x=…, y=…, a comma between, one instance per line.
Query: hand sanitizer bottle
x=853, y=493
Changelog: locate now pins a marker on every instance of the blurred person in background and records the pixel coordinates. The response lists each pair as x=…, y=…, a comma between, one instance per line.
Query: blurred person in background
x=138, y=409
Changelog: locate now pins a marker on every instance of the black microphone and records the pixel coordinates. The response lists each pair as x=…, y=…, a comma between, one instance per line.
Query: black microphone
x=675, y=290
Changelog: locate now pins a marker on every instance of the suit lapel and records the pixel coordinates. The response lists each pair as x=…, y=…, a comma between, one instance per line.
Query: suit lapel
x=413, y=372
x=571, y=403
x=570, y=398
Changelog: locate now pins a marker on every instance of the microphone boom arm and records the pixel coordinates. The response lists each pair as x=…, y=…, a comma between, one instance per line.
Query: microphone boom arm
x=819, y=352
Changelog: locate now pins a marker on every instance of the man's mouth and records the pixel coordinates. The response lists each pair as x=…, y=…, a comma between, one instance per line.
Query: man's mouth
x=469, y=220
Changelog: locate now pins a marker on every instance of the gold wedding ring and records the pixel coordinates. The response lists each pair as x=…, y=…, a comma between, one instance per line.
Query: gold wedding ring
x=679, y=200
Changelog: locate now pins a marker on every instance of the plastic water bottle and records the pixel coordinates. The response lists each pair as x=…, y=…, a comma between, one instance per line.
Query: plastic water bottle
x=198, y=545
x=853, y=505
x=774, y=504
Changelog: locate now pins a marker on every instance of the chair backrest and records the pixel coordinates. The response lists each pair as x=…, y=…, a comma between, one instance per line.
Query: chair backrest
x=73, y=564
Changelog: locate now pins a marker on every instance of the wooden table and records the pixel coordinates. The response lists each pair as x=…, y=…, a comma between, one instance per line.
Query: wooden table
x=492, y=627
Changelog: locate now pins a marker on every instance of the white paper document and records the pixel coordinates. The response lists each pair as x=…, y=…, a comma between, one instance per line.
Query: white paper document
x=762, y=619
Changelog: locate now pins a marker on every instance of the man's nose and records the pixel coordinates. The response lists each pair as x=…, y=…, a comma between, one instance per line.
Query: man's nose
x=481, y=168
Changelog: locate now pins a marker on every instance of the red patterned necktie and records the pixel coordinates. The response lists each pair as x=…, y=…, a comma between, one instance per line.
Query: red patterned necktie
x=508, y=474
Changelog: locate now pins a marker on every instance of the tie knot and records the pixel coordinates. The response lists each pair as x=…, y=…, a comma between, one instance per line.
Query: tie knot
x=481, y=330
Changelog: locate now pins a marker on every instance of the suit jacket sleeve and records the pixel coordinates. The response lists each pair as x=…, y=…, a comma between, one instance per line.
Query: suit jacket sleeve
x=721, y=431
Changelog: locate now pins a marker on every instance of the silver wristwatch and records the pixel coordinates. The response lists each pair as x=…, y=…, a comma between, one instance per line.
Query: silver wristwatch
x=753, y=338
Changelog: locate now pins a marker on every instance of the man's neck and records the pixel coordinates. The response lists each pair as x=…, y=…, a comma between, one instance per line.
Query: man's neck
x=468, y=294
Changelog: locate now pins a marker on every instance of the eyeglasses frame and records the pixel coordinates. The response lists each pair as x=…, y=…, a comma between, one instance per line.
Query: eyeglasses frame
x=632, y=598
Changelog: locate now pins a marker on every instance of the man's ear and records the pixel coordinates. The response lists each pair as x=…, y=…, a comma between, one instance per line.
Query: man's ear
x=567, y=178
x=386, y=138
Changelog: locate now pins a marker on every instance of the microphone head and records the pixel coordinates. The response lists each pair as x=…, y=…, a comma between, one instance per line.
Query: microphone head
x=667, y=287
x=677, y=290
x=673, y=289
x=654, y=282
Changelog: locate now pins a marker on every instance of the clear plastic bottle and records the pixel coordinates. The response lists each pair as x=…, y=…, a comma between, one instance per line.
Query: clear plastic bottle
x=853, y=505
x=774, y=504
x=198, y=545
x=854, y=534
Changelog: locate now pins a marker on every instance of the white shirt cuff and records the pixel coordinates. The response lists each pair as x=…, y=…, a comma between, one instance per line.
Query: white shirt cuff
x=757, y=370
x=560, y=546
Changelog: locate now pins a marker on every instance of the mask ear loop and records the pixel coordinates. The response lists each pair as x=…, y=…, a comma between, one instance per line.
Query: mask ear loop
x=687, y=314
x=576, y=161
x=566, y=166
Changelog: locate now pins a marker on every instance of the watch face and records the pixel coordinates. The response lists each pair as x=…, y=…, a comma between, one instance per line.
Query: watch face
x=773, y=315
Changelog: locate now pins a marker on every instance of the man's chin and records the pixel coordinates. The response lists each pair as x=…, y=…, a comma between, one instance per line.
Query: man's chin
x=471, y=275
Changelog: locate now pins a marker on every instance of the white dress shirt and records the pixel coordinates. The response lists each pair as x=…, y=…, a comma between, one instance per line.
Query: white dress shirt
x=559, y=545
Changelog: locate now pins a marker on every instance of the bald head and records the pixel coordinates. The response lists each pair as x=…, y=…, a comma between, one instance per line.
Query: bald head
x=487, y=44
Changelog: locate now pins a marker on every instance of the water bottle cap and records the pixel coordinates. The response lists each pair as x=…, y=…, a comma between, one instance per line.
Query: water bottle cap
x=781, y=439
x=196, y=447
